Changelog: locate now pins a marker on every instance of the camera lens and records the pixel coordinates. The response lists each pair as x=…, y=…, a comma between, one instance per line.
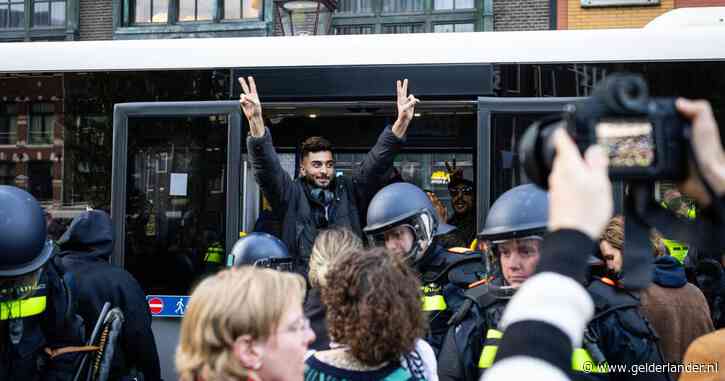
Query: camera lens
x=625, y=94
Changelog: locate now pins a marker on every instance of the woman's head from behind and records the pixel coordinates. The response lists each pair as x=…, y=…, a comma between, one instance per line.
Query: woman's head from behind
x=374, y=306
x=329, y=245
x=245, y=323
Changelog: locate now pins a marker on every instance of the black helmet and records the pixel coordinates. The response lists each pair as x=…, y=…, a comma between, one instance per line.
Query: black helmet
x=520, y=212
x=261, y=250
x=24, y=247
x=404, y=204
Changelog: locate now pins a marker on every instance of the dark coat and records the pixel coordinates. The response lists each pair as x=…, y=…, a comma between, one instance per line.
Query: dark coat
x=677, y=310
x=86, y=248
x=290, y=201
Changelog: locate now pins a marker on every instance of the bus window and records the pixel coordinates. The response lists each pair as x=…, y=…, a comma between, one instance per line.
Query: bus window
x=175, y=203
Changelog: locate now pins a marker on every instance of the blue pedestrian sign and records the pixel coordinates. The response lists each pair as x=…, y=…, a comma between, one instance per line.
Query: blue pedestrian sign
x=167, y=305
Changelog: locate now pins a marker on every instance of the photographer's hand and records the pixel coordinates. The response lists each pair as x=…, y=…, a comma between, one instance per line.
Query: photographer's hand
x=580, y=193
x=708, y=151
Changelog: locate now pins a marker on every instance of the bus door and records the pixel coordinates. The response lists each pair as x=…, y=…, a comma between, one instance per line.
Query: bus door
x=176, y=205
x=501, y=123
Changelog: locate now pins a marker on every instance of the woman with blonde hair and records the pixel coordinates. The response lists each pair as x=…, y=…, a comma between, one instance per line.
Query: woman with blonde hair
x=245, y=324
x=329, y=245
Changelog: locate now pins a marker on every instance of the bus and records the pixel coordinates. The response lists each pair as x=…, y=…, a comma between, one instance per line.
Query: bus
x=152, y=131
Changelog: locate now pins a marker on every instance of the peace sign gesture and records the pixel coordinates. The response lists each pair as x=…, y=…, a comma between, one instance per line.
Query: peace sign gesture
x=454, y=171
x=251, y=106
x=406, y=108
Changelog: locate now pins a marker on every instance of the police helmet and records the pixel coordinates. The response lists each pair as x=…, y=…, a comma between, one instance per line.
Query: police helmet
x=404, y=204
x=520, y=212
x=261, y=250
x=24, y=247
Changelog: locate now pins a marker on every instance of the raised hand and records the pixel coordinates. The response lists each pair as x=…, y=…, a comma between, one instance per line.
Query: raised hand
x=453, y=171
x=406, y=108
x=251, y=106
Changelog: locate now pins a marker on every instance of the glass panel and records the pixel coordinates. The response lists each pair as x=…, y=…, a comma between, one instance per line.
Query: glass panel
x=354, y=29
x=160, y=11
x=57, y=13
x=402, y=5
x=506, y=170
x=186, y=10
x=443, y=28
x=443, y=4
x=175, y=201
x=205, y=10
x=7, y=173
x=17, y=15
x=465, y=4
x=403, y=28
x=464, y=27
x=4, y=15
x=232, y=9
x=142, y=11
x=355, y=6
x=252, y=9
x=40, y=179
x=41, y=14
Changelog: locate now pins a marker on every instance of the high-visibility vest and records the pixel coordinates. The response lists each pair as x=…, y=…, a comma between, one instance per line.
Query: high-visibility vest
x=581, y=360
x=433, y=299
x=214, y=253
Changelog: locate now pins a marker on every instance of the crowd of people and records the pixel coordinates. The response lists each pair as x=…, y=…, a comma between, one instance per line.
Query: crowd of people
x=369, y=279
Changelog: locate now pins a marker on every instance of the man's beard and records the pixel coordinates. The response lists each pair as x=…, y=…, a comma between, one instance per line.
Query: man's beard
x=312, y=181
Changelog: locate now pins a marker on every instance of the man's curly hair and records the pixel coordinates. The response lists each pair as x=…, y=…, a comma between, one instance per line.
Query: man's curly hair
x=373, y=301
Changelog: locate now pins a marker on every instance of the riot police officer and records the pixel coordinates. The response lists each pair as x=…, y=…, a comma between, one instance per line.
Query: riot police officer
x=38, y=324
x=402, y=218
x=515, y=226
x=262, y=250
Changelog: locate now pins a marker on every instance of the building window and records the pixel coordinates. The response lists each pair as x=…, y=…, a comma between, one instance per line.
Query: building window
x=151, y=11
x=12, y=13
x=49, y=13
x=399, y=6
x=242, y=9
x=195, y=10
x=7, y=173
x=402, y=28
x=450, y=28
x=354, y=6
x=453, y=4
x=354, y=29
x=42, y=120
x=8, y=124
x=40, y=179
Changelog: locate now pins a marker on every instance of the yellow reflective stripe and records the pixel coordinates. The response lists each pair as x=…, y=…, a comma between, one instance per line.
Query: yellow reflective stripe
x=581, y=361
x=474, y=244
x=434, y=303
x=692, y=213
x=487, y=356
x=22, y=308
x=213, y=257
x=494, y=334
x=676, y=249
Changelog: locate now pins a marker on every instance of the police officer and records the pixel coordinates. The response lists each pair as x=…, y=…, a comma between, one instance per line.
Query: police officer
x=262, y=250
x=514, y=227
x=402, y=218
x=38, y=325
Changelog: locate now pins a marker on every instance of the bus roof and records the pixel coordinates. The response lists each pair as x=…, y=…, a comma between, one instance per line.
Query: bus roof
x=579, y=46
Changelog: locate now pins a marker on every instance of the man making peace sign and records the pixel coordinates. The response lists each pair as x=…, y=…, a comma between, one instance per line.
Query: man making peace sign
x=318, y=199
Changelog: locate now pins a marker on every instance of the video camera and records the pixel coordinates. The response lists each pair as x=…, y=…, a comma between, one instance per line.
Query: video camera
x=645, y=138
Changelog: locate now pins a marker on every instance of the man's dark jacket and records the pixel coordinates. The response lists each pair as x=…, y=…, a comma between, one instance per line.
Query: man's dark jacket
x=292, y=203
x=85, y=250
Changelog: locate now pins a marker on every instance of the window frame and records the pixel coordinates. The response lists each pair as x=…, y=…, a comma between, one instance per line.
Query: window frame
x=7, y=119
x=13, y=170
x=42, y=115
x=214, y=10
x=9, y=4
x=50, y=25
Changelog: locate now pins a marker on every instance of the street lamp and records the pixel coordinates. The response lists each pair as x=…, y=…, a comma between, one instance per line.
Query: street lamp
x=305, y=17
